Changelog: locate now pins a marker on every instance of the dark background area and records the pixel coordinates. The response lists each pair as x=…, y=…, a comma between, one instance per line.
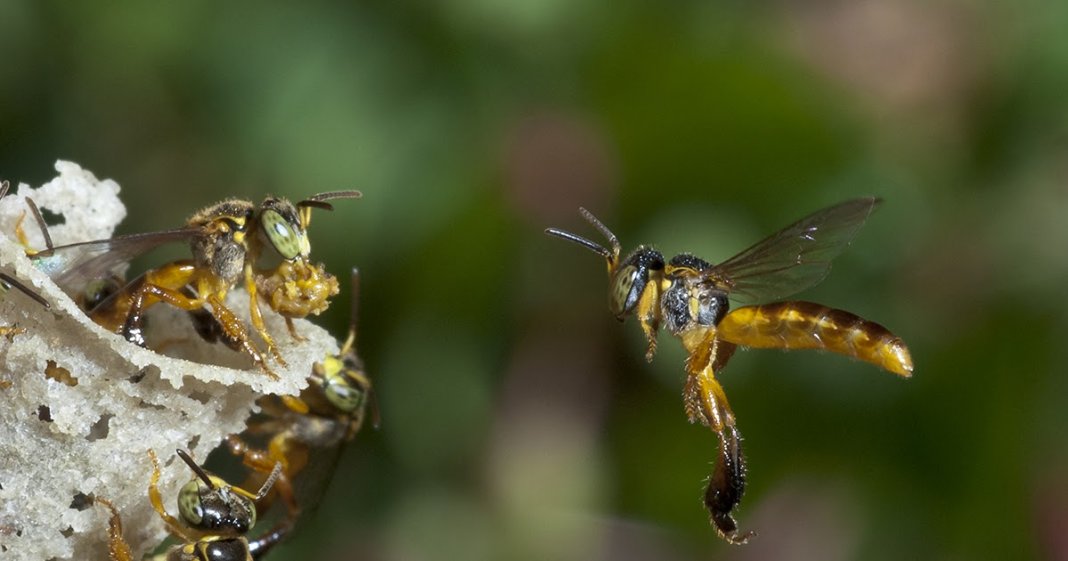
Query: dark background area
x=519, y=419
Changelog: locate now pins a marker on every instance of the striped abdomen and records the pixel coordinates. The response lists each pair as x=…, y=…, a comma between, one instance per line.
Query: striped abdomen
x=804, y=325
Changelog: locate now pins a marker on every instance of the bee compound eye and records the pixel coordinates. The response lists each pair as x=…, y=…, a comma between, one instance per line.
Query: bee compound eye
x=344, y=395
x=190, y=507
x=619, y=299
x=286, y=240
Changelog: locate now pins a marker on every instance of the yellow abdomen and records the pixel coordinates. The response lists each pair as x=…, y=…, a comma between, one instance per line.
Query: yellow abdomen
x=804, y=325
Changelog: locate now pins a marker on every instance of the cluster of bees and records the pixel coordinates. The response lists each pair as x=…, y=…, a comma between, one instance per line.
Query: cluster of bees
x=231, y=240
x=266, y=248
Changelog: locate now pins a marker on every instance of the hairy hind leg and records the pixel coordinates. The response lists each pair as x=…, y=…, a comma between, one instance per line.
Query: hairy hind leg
x=118, y=549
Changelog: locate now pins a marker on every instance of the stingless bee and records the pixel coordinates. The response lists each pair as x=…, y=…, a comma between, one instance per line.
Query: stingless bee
x=213, y=518
x=328, y=413
x=690, y=298
x=265, y=246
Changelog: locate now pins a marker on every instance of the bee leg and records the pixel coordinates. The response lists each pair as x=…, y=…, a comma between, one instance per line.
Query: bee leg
x=146, y=295
x=263, y=462
x=295, y=404
x=721, y=353
x=257, y=316
x=648, y=316
x=20, y=232
x=235, y=330
x=210, y=329
x=296, y=458
x=706, y=402
x=10, y=331
x=154, y=497
x=158, y=285
x=292, y=327
x=727, y=483
x=118, y=549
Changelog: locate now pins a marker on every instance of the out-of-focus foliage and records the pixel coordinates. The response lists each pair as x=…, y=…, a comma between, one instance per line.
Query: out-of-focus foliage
x=519, y=420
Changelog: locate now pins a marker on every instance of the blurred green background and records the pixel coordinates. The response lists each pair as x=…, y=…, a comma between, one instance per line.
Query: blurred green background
x=519, y=420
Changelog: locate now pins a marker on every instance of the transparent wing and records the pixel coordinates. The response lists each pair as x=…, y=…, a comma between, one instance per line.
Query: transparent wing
x=73, y=266
x=794, y=258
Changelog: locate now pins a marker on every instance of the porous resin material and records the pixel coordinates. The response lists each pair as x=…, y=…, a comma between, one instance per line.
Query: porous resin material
x=80, y=406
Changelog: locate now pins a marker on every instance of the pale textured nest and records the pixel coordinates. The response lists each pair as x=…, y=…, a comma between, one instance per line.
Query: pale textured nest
x=126, y=399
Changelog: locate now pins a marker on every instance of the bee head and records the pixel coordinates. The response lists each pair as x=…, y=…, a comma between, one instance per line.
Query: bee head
x=629, y=277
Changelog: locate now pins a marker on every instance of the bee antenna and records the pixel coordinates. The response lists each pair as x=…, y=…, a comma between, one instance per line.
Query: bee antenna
x=354, y=308
x=612, y=239
x=266, y=487
x=376, y=413
x=203, y=475
x=40, y=222
x=9, y=281
x=317, y=199
x=590, y=245
x=321, y=205
x=612, y=255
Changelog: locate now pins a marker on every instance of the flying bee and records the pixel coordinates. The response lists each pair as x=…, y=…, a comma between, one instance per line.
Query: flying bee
x=232, y=241
x=690, y=298
x=213, y=518
x=327, y=414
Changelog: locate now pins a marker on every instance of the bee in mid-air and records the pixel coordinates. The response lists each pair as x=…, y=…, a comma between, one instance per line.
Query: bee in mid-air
x=213, y=518
x=690, y=298
x=327, y=414
x=265, y=246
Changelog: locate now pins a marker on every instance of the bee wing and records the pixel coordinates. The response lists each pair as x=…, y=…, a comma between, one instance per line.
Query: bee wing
x=794, y=258
x=72, y=266
x=312, y=483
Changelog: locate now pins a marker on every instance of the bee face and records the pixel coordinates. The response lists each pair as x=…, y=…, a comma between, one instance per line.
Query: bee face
x=343, y=383
x=281, y=226
x=218, y=510
x=631, y=278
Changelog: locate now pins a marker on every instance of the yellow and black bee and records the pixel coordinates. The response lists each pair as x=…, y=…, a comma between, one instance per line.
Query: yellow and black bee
x=326, y=415
x=213, y=518
x=265, y=246
x=690, y=298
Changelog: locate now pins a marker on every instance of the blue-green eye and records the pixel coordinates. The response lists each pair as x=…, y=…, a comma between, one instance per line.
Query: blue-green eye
x=619, y=298
x=281, y=234
x=189, y=504
x=342, y=390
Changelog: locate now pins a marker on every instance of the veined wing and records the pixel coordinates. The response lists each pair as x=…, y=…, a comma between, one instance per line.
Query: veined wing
x=796, y=257
x=72, y=266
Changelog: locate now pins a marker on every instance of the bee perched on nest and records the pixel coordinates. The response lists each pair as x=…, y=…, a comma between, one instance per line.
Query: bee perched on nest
x=327, y=414
x=265, y=247
x=213, y=519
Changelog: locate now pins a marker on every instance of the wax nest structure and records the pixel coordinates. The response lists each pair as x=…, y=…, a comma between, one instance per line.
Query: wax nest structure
x=81, y=406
